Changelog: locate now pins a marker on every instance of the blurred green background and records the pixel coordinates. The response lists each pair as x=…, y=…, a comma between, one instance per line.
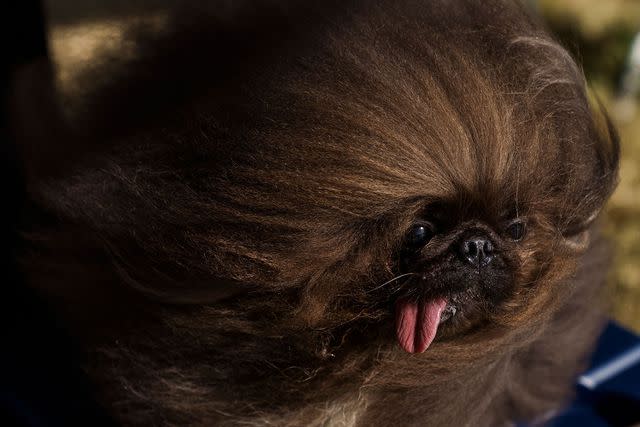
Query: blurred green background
x=601, y=33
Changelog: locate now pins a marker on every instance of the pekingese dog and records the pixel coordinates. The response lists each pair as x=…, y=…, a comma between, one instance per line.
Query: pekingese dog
x=348, y=213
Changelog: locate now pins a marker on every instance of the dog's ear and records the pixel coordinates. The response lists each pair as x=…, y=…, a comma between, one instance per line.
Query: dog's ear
x=577, y=238
x=606, y=147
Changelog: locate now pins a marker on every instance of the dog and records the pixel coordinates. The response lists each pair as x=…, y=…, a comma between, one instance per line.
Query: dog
x=347, y=213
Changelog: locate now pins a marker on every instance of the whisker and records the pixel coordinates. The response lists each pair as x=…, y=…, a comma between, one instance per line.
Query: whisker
x=390, y=281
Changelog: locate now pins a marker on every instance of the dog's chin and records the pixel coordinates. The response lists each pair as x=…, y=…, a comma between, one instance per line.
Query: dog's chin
x=463, y=312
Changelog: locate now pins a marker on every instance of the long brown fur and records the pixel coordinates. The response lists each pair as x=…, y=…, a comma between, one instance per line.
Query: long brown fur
x=224, y=261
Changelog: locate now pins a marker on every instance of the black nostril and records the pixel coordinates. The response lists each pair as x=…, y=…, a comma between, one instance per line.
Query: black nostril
x=477, y=251
x=471, y=248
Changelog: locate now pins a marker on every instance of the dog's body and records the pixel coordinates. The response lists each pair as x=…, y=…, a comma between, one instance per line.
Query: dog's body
x=263, y=223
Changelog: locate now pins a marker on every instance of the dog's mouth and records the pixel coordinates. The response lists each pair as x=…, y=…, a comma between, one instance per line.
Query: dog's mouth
x=446, y=303
x=417, y=322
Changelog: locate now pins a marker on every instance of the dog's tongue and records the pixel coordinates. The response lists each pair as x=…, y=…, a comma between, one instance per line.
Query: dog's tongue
x=417, y=323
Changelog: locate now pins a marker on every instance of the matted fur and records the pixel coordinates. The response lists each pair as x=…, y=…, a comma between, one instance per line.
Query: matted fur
x=223, y=262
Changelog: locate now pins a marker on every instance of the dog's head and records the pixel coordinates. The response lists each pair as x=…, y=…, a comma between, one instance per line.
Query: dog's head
x=437, y=171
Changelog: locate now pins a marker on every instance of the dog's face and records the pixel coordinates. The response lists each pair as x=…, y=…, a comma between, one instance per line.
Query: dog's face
x=456, y=270
x=464, y=263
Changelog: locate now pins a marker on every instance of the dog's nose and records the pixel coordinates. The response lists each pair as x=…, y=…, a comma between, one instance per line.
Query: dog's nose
x=476, y=250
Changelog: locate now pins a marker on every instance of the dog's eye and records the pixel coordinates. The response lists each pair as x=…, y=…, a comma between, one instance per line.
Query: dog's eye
x=420, y=235
x=516, y=230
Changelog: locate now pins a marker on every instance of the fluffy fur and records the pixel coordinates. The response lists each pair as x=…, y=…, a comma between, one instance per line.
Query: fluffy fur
x=224, y=261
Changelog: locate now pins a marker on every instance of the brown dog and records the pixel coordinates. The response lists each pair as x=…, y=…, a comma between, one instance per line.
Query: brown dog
x=353, y=213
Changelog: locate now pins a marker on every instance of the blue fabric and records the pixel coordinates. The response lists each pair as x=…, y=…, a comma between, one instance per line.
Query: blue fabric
x=608, y=393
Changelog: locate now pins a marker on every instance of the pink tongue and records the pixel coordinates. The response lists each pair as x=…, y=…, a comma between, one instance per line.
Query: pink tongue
x=417, y=323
